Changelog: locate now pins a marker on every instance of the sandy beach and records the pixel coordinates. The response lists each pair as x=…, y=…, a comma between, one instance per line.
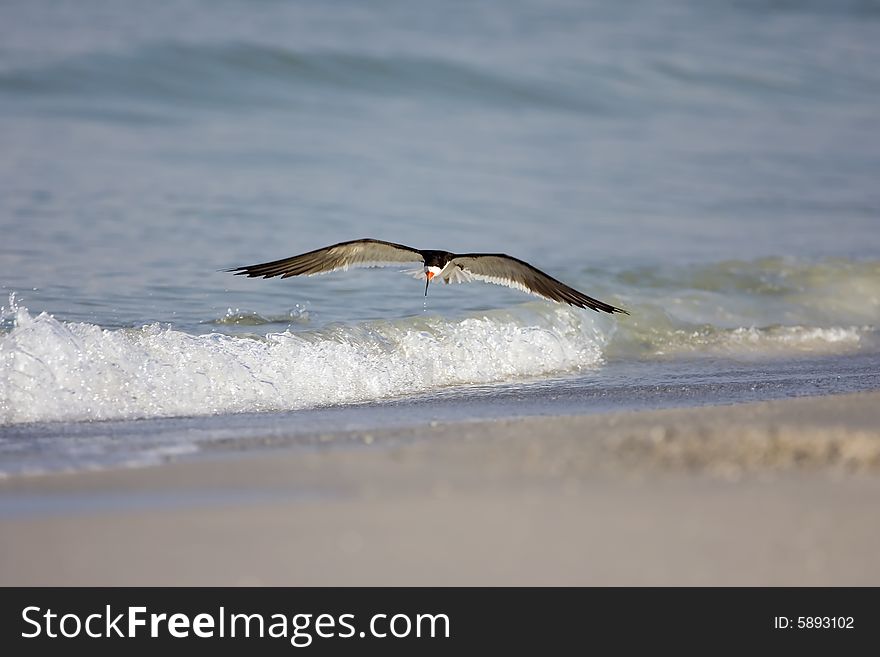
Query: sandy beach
x=773, y=493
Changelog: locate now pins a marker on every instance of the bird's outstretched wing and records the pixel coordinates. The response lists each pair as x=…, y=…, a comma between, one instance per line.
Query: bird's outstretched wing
x=345, y=255
x=506, y=270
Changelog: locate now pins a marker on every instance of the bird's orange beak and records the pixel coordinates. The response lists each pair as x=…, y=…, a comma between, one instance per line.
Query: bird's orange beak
x=429, y=274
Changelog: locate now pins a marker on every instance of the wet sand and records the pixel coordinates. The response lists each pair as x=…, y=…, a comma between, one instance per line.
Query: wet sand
x=775, y=493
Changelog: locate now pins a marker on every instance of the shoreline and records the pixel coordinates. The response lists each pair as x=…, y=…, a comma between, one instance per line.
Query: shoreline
x=778, y=492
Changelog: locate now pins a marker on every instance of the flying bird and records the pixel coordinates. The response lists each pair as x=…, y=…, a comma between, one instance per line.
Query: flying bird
x=495, y=268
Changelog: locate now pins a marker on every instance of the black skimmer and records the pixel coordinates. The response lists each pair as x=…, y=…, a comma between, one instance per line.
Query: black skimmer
x=495, y=268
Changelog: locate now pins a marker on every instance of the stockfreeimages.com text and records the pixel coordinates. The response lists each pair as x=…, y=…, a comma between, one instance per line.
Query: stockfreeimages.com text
x=300, y=629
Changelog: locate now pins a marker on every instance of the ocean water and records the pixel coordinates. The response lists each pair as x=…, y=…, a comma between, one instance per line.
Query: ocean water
x=711, y=166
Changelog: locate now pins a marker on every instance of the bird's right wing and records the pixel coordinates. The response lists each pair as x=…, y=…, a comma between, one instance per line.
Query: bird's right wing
x=342, y=256
x=506, y=270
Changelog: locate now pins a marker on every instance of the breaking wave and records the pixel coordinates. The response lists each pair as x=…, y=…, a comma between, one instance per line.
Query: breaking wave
x=52, y=370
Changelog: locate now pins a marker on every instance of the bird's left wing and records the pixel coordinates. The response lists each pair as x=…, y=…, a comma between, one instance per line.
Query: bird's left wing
x=345, y=255
x=506, y=270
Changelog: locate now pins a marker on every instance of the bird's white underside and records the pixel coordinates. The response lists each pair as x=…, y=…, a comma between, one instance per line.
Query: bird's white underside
x=506, y=282
x=455, y=274
x=367, y=265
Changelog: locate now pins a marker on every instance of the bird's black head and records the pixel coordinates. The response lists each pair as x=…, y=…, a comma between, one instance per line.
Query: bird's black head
x=436, y=258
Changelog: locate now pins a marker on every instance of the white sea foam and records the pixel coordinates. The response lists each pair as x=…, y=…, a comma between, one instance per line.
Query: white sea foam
x=766, y=341
x=53, y=370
